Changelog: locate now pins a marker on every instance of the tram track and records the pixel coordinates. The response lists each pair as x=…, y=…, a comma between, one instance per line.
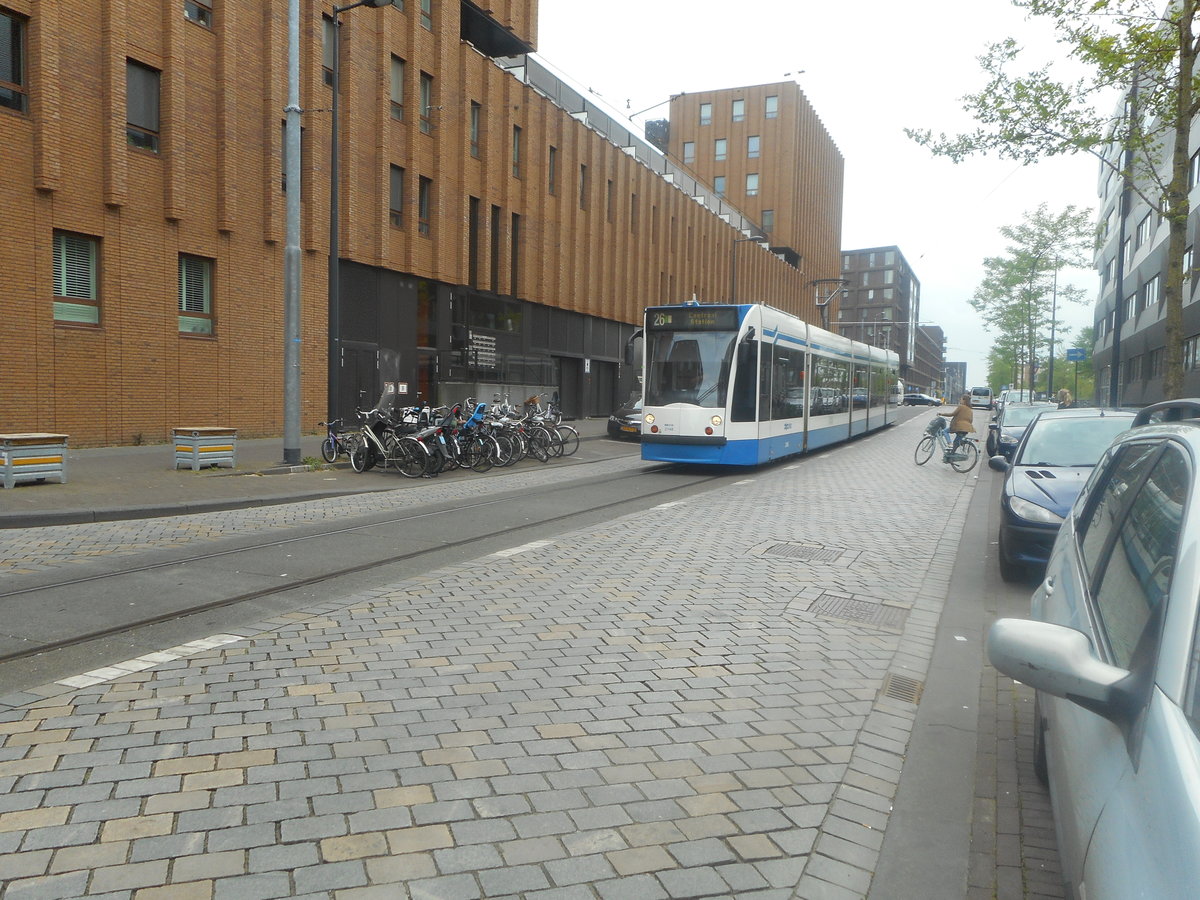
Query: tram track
x=178, y=570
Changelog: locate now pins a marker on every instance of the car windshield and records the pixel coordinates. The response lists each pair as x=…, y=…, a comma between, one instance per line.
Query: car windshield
x=1017, y=416
x=1070, y=441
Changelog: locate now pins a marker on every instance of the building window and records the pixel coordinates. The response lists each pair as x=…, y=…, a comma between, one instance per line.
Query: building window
x=1189, y=351
x=752, y=146
x=195, y=295
x=1156, y=363
x=514, y=251
x=1131, y=307
x=752, y=184
x=198, y=11
x=1194, y=170
x=1126, y=252
x=424, y=204
x=426, y=103
x=720, y=149
x=397, y=89
x=76, y=261
x=771, y=107
x=516, y=151
x=552, y=171
x=476, y=118
x=427, y=14
x=583, y=186
x=396, y=197
x=328, y=34
x=705, y=113
x=768, y=221
x=739, y=110
x=399, y=4
x=495, y=249
x=689, y=151
x=719, y=185
x=1187, y=264
x=1151, y=293
x=1143, y=230
x=14, y=92
x=141, y=106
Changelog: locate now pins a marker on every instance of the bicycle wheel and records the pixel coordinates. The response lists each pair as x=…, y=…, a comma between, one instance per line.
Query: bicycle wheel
x=965, y=458
x=554, y=444
x=328, y=450
x=504, y=449
x=539, y=445
x=924, y=450
x=477, y=454
x=362, y=458
x=570, y=439
x=412, y=459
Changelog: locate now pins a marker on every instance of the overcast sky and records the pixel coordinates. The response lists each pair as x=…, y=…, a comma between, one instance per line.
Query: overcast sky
x=870, y=69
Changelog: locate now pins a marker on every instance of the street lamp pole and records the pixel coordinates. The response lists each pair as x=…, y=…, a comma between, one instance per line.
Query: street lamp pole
x=758, y=239
x=335, y=312
x=291, y=252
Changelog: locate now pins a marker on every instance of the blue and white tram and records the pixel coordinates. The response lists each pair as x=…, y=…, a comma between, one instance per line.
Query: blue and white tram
x=743, y=385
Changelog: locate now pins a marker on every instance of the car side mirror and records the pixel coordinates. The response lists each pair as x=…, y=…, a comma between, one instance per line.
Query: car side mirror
x=999, y=464
x=1059, y=661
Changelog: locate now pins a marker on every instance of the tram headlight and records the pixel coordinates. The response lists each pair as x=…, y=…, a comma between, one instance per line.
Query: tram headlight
x=717, y=420
x=649, y=418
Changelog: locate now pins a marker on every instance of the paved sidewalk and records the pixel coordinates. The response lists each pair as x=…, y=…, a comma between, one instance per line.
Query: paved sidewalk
x=120, y=483
x=726, y=713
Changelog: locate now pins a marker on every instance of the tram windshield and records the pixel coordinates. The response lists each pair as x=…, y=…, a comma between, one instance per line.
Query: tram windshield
x=688, y=367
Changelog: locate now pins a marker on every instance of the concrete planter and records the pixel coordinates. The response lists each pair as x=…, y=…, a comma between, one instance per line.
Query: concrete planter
x=33, y=457
x=203, y=447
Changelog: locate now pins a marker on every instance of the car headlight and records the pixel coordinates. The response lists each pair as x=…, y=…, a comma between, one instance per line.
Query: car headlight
x=649, y=418
x=1031, y=512
x=716, y=420
x=1007, y=437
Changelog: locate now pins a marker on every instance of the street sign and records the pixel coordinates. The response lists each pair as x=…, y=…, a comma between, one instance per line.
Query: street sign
x=1076, y=354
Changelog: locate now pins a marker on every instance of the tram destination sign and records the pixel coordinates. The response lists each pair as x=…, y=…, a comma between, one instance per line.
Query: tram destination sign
x=693, y=318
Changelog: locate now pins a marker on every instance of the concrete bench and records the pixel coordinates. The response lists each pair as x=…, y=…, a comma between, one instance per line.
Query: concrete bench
x=32, y=457
x=200, y=447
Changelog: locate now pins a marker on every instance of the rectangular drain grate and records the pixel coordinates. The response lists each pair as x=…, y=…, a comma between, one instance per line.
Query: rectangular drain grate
x=901, y=687
x=805, y=551
x=849, y=609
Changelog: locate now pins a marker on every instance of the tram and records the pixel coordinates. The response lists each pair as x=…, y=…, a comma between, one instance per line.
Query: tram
x=741, y=385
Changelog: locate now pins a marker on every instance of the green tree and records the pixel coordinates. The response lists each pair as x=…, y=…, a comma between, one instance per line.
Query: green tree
x=1132, y=46
x=1020, y=293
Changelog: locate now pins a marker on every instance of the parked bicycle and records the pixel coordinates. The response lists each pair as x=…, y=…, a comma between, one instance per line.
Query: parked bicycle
x=962, y=459
x=339, y=441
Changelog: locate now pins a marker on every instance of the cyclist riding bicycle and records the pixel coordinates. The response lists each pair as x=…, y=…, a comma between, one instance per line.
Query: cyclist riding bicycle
x=963, y=421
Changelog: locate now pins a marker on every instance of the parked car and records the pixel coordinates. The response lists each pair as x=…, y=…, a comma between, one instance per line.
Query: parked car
x=981, y=398
x=921, y=400
x=1113, y=651
x=626, y=420
x=1048, y=469
x=1005, y=430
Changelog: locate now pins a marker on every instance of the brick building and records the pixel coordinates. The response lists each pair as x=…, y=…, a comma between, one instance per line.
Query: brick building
x=764, y=149
x=881, y=305
x=496, y=231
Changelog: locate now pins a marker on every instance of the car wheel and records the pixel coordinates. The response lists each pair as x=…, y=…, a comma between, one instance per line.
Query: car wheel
x=1039, y=743
x=1009, y=570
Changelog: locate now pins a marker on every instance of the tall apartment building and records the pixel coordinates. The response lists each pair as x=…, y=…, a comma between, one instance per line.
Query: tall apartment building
x=1131, y=259
x=881, y=305
x=764, y=149
x=496, y=230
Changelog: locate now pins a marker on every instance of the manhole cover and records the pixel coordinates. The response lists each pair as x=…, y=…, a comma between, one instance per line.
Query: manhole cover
x=863, y=612
x=806, y=552
x=901, y=687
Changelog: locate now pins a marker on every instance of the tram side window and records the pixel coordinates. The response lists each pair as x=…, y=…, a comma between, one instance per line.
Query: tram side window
x=741, y=405
x=787, y=389
x=828, y=390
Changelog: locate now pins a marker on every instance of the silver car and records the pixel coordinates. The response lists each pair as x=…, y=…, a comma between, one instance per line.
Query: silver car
x=1113, y=650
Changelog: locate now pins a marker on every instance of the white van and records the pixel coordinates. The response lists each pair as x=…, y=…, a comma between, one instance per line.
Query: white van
x=981, y=398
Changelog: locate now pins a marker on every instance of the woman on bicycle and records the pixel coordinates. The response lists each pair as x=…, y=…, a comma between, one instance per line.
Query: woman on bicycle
x=963, y=421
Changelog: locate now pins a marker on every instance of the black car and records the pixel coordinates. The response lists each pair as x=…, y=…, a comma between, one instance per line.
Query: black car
x=1004, y=432
x=921, y=400
x=1053, y=461
x=626, y=420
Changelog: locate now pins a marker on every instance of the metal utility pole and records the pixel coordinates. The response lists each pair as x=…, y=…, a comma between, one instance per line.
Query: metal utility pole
x=291, y=253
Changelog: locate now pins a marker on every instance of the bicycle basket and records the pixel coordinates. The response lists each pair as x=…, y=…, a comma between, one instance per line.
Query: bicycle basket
x=936, y=424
